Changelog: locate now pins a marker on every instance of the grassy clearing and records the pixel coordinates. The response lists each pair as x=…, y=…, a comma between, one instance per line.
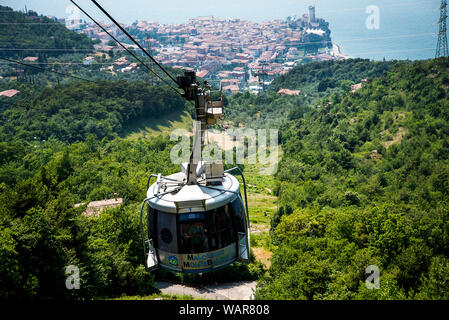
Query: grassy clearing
x=164, y=125
x=262, y=204
x=261, y=201
x=261, y=209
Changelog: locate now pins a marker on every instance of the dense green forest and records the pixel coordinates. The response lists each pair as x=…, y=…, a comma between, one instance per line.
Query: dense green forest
x=46, y=166
x=28, y=31
x=71, y=112
x=314, y=80
x=42, y=233
x=364, y=181
x=329, y=74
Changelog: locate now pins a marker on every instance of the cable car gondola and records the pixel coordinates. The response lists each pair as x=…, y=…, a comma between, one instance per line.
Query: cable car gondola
x=196, y=219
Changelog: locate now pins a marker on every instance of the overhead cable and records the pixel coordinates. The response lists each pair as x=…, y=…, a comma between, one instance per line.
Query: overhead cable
x=133, y=40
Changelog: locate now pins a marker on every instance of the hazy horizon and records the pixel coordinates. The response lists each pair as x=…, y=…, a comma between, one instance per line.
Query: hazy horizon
x=408, y=28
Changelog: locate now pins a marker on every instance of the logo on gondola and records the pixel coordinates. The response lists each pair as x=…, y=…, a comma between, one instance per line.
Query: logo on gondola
x=173, y=261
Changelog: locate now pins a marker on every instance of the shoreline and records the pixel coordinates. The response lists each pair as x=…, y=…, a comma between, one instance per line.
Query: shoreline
x=336, y=51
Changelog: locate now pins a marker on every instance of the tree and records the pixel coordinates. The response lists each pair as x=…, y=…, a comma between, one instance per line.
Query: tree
x=435, y=284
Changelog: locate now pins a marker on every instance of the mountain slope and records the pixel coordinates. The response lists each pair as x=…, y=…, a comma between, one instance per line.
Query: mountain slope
x=314, y=81
x=71, y=112
x=364, y=181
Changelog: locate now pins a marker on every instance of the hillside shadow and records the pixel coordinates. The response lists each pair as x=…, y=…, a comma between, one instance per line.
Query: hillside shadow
x=158, y=125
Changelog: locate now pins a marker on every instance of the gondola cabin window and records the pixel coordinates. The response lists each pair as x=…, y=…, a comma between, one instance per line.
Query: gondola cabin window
x=208, y=231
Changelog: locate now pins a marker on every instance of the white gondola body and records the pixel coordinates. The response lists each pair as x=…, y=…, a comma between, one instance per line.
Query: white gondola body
x=215, y=213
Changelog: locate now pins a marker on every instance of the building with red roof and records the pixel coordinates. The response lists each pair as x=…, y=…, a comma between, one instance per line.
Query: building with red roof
x=9, y=93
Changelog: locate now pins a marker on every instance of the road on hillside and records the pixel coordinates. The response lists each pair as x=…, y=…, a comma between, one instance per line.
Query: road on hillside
x=243, y=290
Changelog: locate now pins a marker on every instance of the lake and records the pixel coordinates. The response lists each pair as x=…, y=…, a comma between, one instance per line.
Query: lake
x=407, y=29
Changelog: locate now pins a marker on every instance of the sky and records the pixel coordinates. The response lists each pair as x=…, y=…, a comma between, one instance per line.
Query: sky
x=407, y=28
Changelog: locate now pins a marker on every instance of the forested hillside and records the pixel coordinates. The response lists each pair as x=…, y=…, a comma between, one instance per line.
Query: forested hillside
x=71, y=112
x=42, y=233
x=60, y=147
x=364, y=181
x=330, y=74
x=30, y=31
x=314, y=81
